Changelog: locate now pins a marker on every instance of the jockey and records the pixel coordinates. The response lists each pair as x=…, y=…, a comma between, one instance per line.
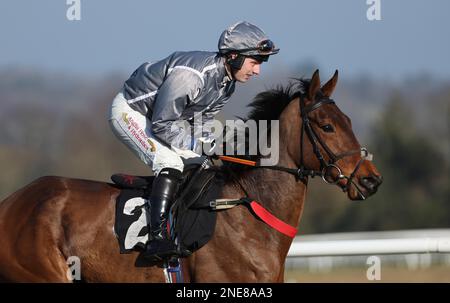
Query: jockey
x=154, y=113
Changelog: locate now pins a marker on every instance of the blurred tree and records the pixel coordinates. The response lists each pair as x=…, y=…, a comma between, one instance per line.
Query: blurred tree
x=90, y=149
x=28, y=145
x=415, y=170
x=305, y=68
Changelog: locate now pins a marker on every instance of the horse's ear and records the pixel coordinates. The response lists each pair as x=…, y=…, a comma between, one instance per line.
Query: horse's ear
x=328, y=88
x=314, y=85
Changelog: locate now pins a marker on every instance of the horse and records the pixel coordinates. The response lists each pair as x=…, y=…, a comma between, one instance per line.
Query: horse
x=53, y=218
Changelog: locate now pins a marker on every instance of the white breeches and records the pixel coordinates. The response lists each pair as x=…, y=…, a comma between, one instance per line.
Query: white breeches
x=134, y=130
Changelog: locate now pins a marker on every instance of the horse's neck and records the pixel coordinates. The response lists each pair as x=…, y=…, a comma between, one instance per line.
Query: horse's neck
x=277, y=191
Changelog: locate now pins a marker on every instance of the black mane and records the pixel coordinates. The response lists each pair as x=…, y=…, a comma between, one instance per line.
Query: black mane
x=270, y=104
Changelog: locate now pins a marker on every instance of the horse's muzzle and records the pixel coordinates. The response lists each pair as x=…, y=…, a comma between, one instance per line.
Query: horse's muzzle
x=371, y=183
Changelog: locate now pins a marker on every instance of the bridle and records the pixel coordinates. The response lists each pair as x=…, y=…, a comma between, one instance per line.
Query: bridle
x=326, y=168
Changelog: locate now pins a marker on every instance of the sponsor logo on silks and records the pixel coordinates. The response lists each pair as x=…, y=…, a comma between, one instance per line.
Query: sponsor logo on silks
x=124, y=118
x=152, y=145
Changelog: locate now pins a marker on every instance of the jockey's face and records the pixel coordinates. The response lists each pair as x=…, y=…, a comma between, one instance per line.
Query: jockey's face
x=251, y=67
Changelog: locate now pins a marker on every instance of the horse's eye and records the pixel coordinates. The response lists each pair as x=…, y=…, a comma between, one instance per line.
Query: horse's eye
x=327, y=128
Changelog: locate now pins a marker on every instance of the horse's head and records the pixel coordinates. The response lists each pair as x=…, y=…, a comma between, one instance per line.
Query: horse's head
x=328, y=145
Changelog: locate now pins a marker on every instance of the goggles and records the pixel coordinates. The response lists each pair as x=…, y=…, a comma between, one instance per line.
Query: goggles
x=264, y=47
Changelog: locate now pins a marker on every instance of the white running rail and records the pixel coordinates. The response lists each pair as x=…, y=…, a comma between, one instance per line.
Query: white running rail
x=439, y=242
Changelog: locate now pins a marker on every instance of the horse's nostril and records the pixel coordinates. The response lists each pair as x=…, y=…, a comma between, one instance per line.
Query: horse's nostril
x=371, y=182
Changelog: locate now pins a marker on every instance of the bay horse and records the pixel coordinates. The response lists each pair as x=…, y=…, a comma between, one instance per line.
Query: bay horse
x=53, y=218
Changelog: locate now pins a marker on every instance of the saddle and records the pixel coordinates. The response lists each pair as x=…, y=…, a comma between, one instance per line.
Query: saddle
x=191, y=222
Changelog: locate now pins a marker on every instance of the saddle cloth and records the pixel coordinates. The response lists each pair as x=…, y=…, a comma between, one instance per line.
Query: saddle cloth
x=192, y=222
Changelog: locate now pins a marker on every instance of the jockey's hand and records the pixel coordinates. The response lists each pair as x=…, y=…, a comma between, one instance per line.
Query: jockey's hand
x=205, y=147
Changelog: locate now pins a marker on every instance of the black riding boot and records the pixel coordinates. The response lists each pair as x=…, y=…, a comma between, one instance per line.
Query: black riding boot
x=164, y=189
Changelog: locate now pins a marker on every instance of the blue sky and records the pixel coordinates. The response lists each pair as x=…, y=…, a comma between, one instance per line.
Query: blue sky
x=412, y=37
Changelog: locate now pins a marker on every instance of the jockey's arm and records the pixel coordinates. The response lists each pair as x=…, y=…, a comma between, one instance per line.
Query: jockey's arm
x=208, y=136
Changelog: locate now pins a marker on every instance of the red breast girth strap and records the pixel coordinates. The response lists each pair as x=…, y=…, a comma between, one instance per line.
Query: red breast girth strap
x=273, y=221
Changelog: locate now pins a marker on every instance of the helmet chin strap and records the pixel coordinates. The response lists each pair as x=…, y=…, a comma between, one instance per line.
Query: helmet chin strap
x=235, y=63
x=229, y=70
